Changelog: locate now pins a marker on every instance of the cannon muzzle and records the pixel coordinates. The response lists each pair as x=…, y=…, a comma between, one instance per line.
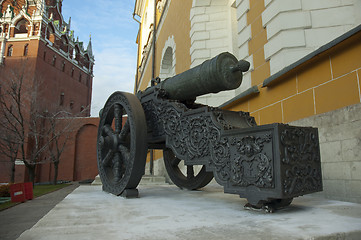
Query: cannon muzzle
x=221, y=73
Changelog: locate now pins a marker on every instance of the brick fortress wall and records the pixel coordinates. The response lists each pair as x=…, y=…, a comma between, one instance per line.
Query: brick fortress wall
x=78, y=161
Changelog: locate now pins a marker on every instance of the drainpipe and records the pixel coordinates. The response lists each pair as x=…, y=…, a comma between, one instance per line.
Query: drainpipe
x=151, y=167
x=154, y=38
x=151, y=153
x=137, y=72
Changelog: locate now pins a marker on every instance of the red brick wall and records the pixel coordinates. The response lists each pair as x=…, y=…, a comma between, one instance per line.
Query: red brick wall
x=85, y=164
x=78, y=161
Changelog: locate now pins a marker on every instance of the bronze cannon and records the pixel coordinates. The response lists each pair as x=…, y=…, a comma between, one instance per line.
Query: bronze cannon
x=269, y=164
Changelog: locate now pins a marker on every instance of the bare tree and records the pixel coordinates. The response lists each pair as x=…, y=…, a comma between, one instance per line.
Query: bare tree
x=12, y=111
x=61, y=126
x=22, y=120
x=32, y=130
x=9, y=146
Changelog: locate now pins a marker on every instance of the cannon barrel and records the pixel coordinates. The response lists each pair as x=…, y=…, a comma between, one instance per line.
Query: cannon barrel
x=223, y=72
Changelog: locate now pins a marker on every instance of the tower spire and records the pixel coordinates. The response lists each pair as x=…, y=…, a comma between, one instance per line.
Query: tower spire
x=69, y=23
x=89, y=49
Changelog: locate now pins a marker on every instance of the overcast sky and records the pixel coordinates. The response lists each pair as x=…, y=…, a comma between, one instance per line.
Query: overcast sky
x=113, y=33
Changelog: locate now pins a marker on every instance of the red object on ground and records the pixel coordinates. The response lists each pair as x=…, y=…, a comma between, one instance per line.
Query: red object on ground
x=20, y=192
x=17, y=192
x=28, y=187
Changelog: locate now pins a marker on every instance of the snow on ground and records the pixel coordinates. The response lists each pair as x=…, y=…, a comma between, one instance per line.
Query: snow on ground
x=166, y=212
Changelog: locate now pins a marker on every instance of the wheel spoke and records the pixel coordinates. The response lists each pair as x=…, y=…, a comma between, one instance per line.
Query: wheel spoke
x=107, y=159
x=190, y=172
x=124, y=151
x=108, y=130
x=117, y=167
x=125, y=131
x=118, y=115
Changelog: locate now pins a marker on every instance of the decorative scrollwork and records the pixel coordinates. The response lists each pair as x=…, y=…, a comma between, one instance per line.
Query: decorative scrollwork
x=220, y=119
x=253, y=166
x=249, y=119
x=239, y=158
x=301, y=159
x=300, y=145
x=154, y=123
x=198, y=132
x=251, y=145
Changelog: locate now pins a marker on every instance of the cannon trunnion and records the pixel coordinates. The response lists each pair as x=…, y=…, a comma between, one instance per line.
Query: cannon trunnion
x=269, y=165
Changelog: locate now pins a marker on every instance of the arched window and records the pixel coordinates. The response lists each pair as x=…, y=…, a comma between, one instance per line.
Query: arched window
x=72, y=72
x=10, y=51
x=22, y=27
x=44, y=56
x=50, y=33
x=26, y=49
x=63, y=66
x=167, y=68
x=61, y=103
x=64, y=44
x=79, y=77
x=76, y=53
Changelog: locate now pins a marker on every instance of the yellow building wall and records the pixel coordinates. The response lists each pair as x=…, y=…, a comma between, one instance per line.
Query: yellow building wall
x=176, y=24
x=328, y=81
x=324, y=83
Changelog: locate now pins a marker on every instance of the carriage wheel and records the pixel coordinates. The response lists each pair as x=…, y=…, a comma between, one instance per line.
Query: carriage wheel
x=190, y=180
x=121, y=143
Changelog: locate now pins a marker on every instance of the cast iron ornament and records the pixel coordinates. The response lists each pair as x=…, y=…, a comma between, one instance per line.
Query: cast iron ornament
x=269, y=165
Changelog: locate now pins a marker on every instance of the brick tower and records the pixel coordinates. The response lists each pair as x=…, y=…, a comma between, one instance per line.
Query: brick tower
x=39, y=47
x=33, y=34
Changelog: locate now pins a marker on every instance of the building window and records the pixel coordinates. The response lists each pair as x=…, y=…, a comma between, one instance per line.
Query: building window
x=61, y=99
x=10, y=51
x=26, y=49
x=22, y=27
x=64, y=46
x=82, y=108
x=50, y=33
x=71, y=105
x=63, y=66
x=72, y=72
x=79, y=77
x=44, y=55
x=87, y=81
x=54, y=60
x=76, y=54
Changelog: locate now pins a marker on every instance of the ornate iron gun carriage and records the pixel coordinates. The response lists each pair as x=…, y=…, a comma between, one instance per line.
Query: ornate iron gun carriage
x=269, y=165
